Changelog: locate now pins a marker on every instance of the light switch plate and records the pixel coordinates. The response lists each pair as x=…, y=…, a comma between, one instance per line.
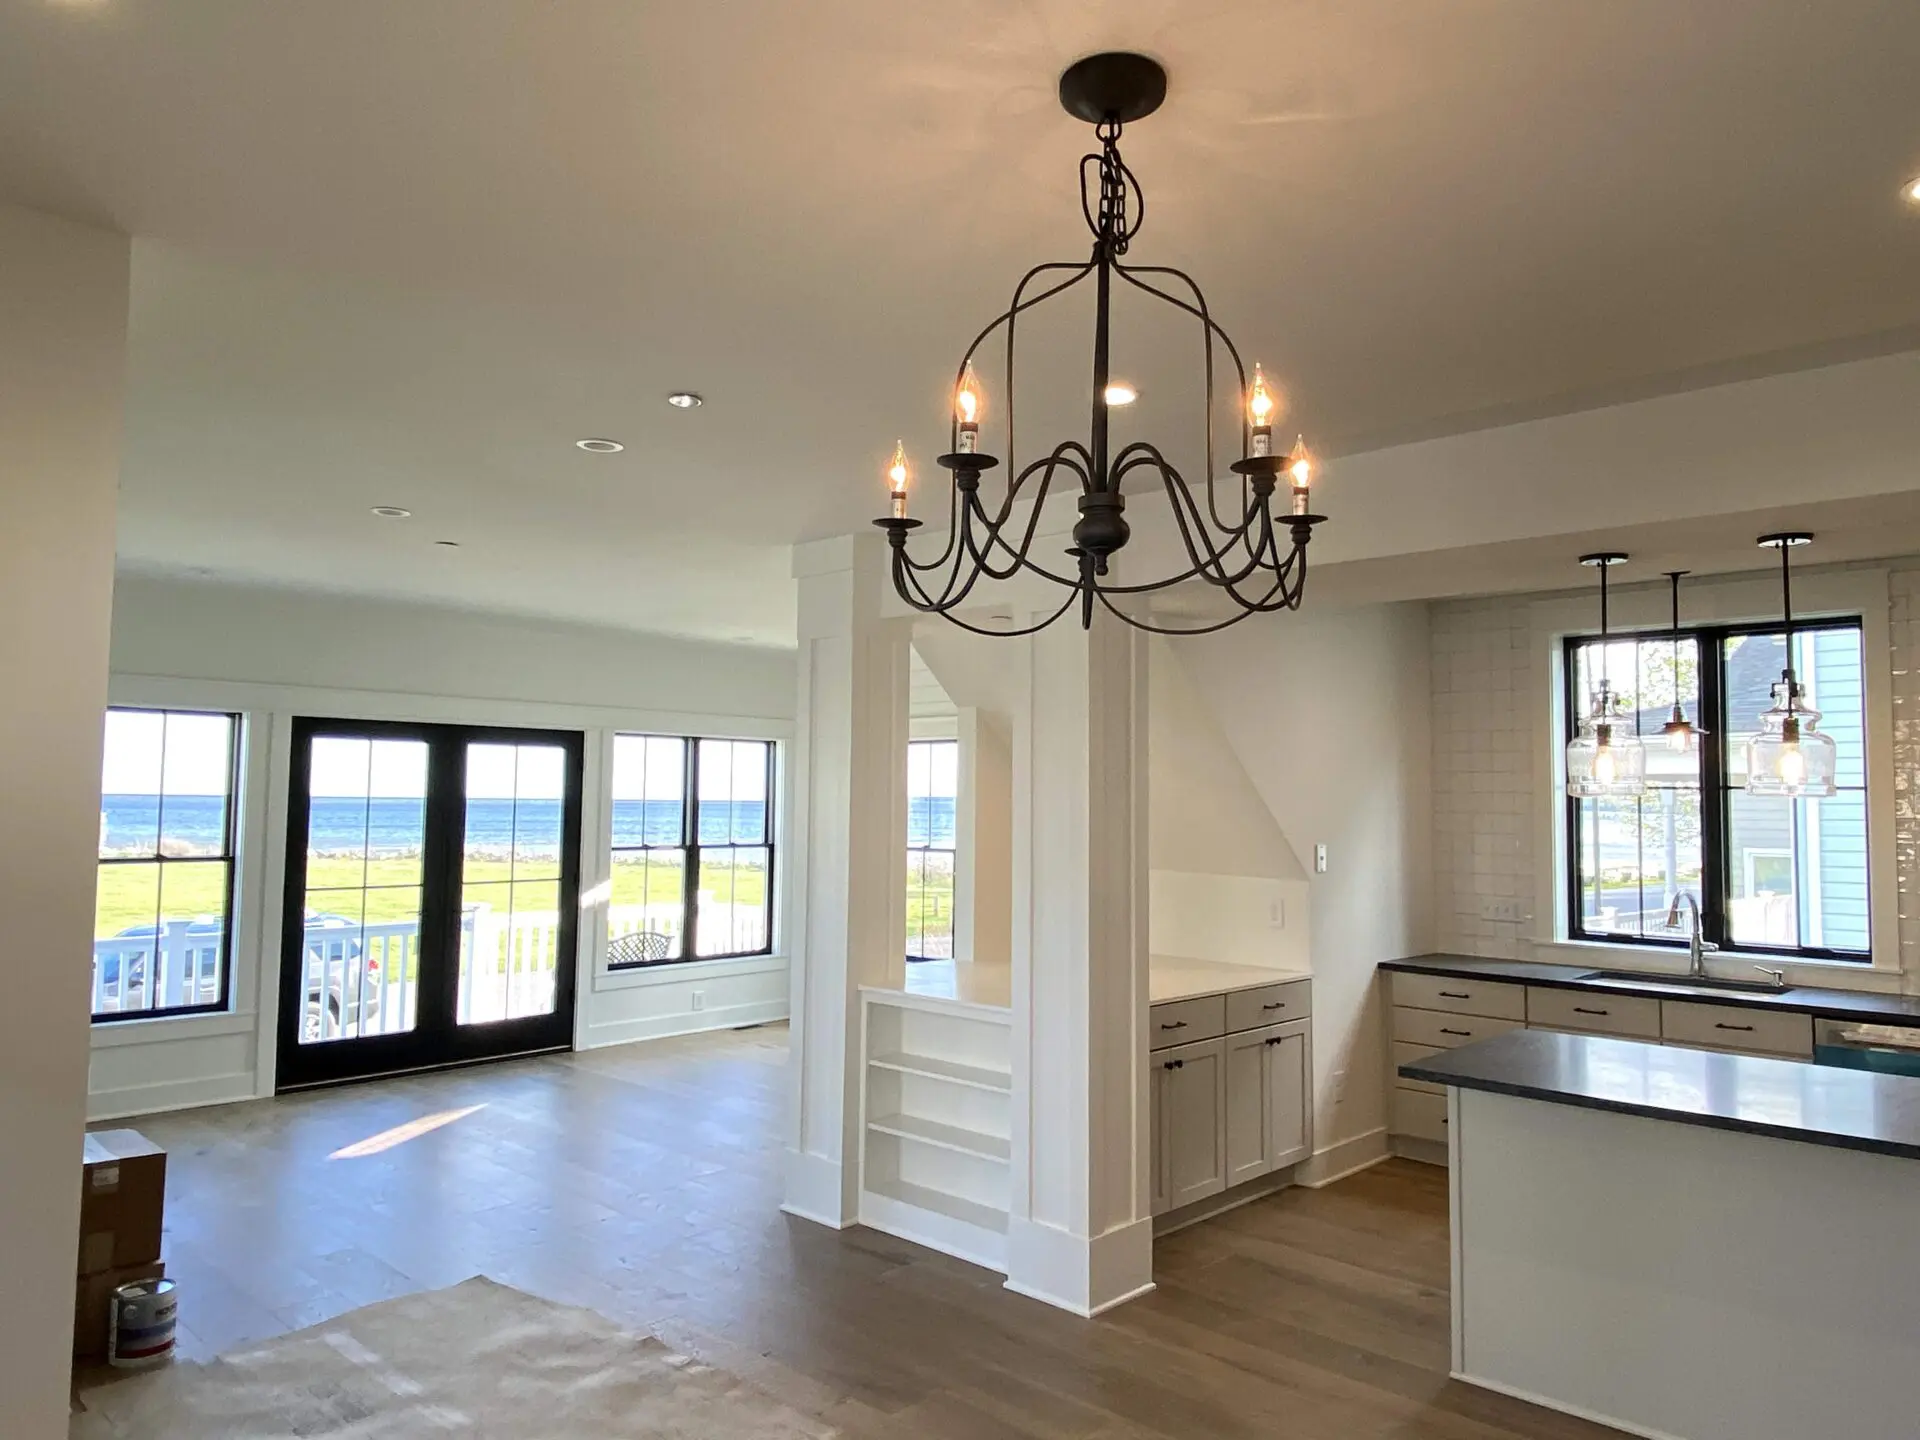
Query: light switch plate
x=1319, y=859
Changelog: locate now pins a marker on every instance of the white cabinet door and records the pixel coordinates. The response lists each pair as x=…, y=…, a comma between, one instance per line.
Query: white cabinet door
x=1286, y=1055
x=1249, y=1153
x=1194, y=1120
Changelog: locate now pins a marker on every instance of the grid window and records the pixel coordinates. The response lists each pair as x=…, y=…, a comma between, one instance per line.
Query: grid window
x=933, y=772
x=164, y=893
x=1769, y=873
x=692, y=850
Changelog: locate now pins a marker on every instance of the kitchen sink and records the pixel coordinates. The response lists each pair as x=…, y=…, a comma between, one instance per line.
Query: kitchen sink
x=1688, y=982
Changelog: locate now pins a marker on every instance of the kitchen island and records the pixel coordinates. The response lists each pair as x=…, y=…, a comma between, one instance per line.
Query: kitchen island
x=1684, y=1244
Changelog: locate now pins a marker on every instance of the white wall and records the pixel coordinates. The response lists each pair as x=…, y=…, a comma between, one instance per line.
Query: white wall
x=272, y=654
x=63, y=315
x=1327, y=711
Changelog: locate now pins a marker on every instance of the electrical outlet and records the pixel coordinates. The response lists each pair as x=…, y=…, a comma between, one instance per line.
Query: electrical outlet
x=1505, y=910
x=1277, y=914
x=1339, y=1087
x=698, y=1000
x=1319, y=859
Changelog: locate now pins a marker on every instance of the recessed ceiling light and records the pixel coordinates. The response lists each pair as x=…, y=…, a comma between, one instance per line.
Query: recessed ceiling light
x=684, y=400
x=1911, y=190
x=1121, y=393
x=600, y=447
x=392, y=512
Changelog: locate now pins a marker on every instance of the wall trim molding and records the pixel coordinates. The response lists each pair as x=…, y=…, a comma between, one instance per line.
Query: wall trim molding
x=691, y=1022
x=1083, y=1276
x=129, y=1100
x=1343, y=1158
x=814, y=1191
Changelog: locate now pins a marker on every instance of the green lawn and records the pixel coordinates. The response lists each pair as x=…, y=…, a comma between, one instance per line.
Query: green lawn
x=127, y=895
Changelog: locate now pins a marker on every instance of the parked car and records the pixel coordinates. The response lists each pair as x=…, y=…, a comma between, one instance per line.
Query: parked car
x=350, y=1010
x=123, y=973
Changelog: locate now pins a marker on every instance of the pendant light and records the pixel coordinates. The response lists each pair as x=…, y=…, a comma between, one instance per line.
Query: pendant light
x=1790, y=756
x=1682, y=735
x=1606, y=756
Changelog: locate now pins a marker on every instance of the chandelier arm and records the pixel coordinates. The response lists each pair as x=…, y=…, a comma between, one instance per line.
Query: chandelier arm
x=953, y=529
x=1065, y=605
x=1207, y=561
x=1153, y=629
x=1006, y=318
x=1020, y=556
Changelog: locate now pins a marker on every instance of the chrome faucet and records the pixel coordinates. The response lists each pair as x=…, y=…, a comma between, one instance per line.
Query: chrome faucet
x=1697, y=949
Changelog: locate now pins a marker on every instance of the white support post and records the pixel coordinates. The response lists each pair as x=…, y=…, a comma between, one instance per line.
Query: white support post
x=1080, y=1231
x=63, y=322
x=847, y=872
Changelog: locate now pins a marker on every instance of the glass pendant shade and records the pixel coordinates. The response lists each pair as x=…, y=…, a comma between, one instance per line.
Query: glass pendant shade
x=1605, y=757
x=1790, y=756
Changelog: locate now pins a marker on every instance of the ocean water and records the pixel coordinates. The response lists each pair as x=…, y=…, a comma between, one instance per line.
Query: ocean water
x=196, y=824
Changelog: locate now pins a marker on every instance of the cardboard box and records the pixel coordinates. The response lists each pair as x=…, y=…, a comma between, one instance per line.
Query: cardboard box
x=123, y=1196
x=93, y=1306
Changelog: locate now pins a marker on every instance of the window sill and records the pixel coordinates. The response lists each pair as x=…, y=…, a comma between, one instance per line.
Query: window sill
x=674, y=974
x=163, y=1028
x=1663, y=960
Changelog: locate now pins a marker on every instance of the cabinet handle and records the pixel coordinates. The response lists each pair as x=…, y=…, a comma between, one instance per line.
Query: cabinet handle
x=1455, y=995
x=1584, y=1010
x=1721, y=1025
x=1174, y=1064
x=1276, y=1005
x=1176, y=1025
x=1445, y=1031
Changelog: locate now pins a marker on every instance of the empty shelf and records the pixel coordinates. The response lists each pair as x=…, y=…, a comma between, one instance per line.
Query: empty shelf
x=939, y=1202
x=973, y=1075
x=948, y=1137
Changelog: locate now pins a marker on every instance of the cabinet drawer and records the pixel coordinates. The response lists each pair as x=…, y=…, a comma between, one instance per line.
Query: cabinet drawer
x=1405, y=1054
x=1463, y=997
x=1420, y=1115
x=1443, y=1032
x=1269, y=1005
x=1735, y=1027
x=1633, y=1015
x=1180, y=1021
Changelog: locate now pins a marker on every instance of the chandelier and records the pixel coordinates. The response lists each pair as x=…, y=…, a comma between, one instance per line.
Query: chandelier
x=1237, y=545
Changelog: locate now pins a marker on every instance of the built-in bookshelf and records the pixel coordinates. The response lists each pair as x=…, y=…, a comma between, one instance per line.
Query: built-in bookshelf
x=937, y=1114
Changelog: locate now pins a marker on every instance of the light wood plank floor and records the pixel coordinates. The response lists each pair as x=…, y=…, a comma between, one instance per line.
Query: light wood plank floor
x=643, y=1182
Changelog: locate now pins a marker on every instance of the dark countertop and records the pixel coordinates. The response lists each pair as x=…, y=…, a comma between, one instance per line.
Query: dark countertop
x=1783, y=1099
x=1861, y=1005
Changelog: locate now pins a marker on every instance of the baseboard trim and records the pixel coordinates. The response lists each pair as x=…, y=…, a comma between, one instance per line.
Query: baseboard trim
x=1084, y=1277
x=814, y=1191
x=691, y=1022
x=1172, y=1222
x=1424, y=1152
x=1344, y=1158
x=127, y=1101
x=1579, y=1412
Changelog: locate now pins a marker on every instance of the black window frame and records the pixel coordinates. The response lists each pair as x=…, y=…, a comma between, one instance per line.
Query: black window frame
x=689, y=844
x=1715, y=792
x=229, y=856
x=920, y=852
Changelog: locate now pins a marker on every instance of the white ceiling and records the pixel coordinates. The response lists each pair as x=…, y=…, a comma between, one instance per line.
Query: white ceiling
x=407, y=253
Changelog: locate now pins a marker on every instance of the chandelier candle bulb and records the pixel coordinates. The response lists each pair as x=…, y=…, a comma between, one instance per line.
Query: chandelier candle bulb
x=1260, y=412
x=1300, y=471
x=966, y=403
x=897, y=480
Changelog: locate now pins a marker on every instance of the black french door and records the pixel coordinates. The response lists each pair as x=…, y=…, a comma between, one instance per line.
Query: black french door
x=432, y=897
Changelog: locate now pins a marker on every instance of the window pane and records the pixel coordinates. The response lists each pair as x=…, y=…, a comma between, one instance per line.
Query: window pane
x=646, y=910
x=1762, y=888
x=362, y=962
x=1834, y=872
x=733, y=900
x=130, y=782
x=930, y=905
x=196, y=776
x=649, y=790
x=126, y=909
x=1829, y=664
x=193, y=934
x=515, y=799
x=733, y=792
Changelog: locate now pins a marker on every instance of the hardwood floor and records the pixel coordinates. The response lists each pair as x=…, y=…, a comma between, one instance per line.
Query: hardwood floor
x=644, y=1181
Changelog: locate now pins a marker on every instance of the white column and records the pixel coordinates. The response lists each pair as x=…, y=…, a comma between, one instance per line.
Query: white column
x=983, y=839
x=847, y=871
x=63, y=321
x=1080, y=1234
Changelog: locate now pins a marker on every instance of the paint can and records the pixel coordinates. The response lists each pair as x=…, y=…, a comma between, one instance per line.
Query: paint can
x=143, y=1318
